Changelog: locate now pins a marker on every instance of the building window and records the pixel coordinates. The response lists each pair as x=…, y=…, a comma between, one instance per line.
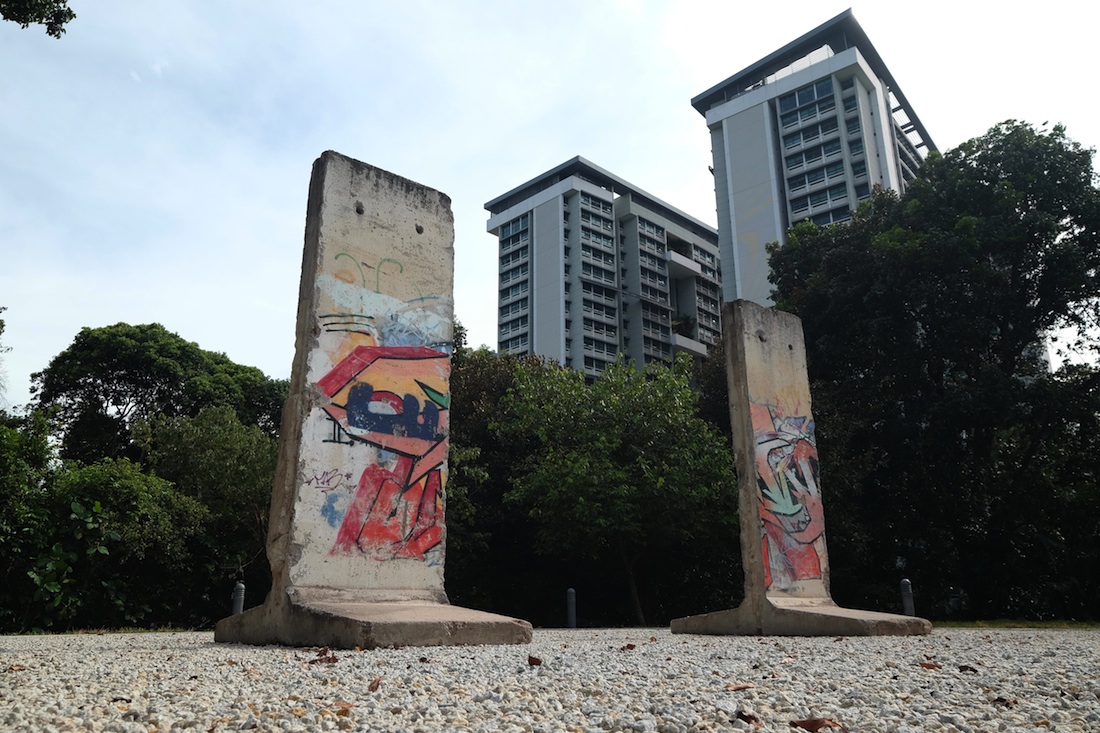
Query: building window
x=511, y=309
x=515, y=273
x=596, y=203
x=513, y=226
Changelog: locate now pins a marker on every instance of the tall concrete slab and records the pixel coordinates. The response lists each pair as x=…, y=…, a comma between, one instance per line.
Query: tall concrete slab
x=357, y=529
x=783, y=550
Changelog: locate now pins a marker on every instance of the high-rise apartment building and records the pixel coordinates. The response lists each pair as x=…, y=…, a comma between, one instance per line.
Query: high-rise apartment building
x=805, y=133
x=592, y=267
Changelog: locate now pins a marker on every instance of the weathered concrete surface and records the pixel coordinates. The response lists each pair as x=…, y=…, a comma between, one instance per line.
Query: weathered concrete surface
x=312, y=617
x=783, y=548
x=357, y=533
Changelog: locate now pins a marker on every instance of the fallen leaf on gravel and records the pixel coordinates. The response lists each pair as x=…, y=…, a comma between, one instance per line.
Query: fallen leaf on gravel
x=751, y=718
x=330, y=659
x=298, y=712
x=816, y=724
x=653, y=638
x=930, y=665
x=15, y=668
x=1008, y=702
x=533, y=661
x=738, y=686
x=343, y=708
x=967, y=668
x=627, y=647
x=373, y=687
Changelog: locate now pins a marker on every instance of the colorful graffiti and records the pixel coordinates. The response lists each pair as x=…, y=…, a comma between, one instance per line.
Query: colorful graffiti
x=385, y=374
x=791, y=514
x=394, y=401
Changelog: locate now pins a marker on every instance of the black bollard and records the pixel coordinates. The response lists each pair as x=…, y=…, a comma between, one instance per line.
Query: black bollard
x=570, y=609
x=907, y=597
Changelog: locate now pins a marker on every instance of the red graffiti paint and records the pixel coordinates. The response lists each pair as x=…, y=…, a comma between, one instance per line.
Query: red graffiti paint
x=791, y=514
x=396, y=400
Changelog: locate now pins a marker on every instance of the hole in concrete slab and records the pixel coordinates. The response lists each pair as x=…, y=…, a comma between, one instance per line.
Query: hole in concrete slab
x=358, y=207
x=790, y=347
x=419, y=229
x=760, y=335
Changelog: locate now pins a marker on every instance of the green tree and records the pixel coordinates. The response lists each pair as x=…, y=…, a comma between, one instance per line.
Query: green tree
x=53, y=14
x=490, y=551
x=626, y=476
x=25, y=471
x=111, y=378
x=925, y=318
x=229, y=468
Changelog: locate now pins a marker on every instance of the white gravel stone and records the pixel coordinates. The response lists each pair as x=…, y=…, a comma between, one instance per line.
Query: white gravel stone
x=966, y=681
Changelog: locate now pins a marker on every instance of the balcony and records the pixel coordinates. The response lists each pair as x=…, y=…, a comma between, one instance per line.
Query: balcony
x=681, y=266
x=690, y=345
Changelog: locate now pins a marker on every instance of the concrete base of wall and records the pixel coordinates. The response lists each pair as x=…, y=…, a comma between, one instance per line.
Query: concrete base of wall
x=345, y=620
x=800, y=617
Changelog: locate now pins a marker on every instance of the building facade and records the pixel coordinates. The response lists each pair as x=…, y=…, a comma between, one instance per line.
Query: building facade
x=592, y=267
x=804, y=133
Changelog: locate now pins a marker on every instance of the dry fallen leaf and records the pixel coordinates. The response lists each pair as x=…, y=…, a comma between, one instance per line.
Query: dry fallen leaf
x=627, y=647
x=967, y=668
x=653, y=638
x=816, y=724
x=15, y=668
x=738, y=686
x=373, y=687
x=751, y=718
x=533, y=661
x=330, y=659
x=298, y=712
x=343, y=708
x=930, y=665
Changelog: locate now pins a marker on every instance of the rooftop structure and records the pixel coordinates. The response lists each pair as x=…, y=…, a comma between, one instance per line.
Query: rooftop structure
x=806, y=132
x=593, y=267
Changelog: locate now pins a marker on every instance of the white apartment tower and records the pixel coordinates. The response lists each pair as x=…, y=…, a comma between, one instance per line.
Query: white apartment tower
x=592, y=267
x=804, y=133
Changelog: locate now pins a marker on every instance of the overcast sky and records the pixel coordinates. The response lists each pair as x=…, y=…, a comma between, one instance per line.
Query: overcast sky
x=155, y=160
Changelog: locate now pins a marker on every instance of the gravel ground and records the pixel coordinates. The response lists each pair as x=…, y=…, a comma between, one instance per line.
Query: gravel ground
x=588, y=680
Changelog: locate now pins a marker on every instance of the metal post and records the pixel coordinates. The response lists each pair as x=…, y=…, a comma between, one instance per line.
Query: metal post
x=570, y=609
x=238, y=598
x=907, y=597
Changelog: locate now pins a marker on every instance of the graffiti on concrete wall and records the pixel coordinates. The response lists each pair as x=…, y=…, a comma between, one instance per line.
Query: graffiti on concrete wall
x=791, y=515
x=385, y=379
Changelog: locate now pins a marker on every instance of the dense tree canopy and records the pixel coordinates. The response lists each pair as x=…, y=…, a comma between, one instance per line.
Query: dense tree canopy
x=53, y=14
x=614, y=488
x=111, y=378
x=624, y=474
x=949, y=447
